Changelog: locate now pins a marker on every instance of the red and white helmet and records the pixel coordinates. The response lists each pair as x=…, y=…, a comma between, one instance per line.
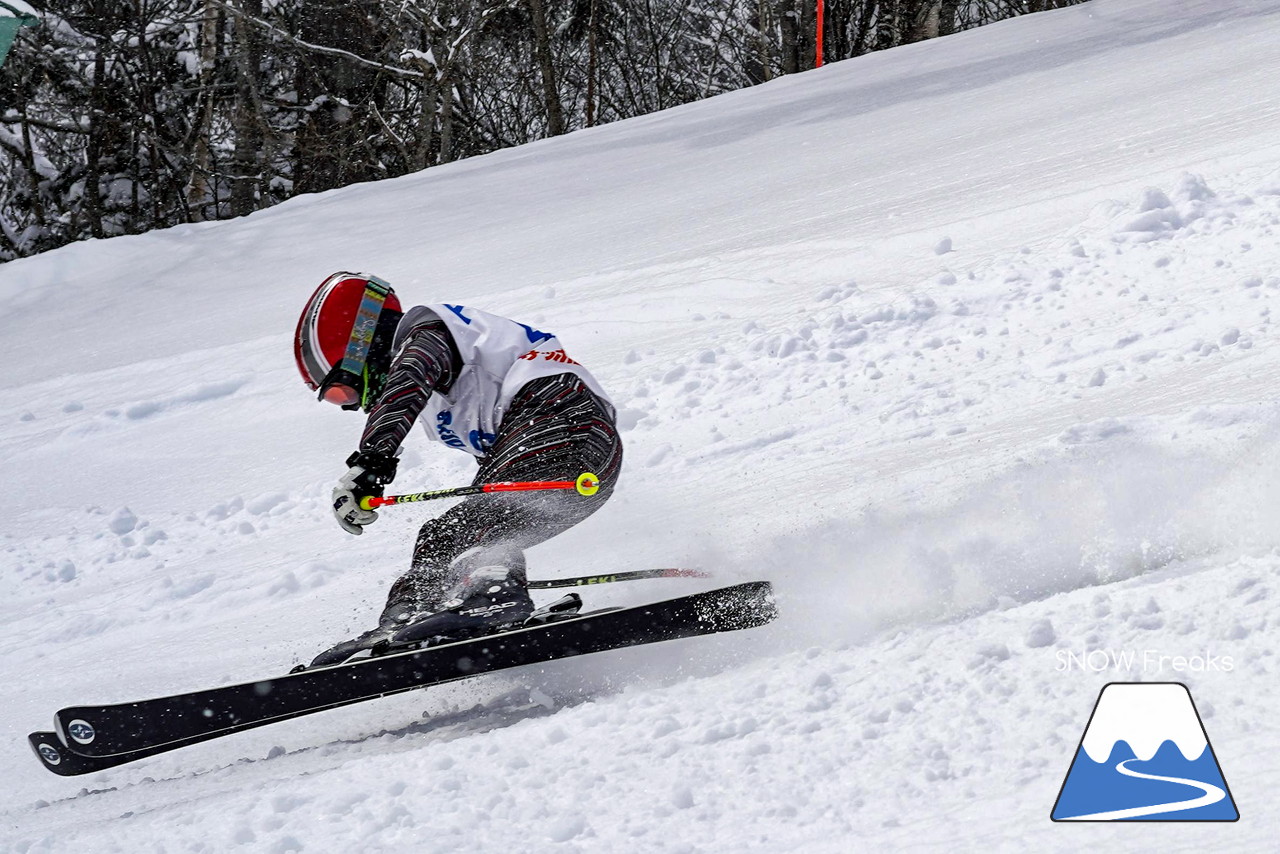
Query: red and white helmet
x=335, y=331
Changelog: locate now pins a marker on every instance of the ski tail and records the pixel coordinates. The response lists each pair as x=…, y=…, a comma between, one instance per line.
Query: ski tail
x=58, y=758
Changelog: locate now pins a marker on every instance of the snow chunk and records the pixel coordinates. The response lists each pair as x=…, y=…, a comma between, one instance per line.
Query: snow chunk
x=189, y=587
x=122, y=521
x=1096, y=431
x=1269, y=187
x=628, y=418
x=989, y=653
x=566, y=827
x=266, y=503
x=1040, y=634
x=1192, y=188
x=1156, y=217
x=682, y=797
x=1153, y=199
x=225, y=509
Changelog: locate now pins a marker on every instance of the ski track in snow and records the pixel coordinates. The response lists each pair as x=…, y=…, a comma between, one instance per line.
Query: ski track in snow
x=957, y=455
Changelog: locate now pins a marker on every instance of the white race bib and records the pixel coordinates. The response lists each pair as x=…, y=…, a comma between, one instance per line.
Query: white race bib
x=499, y=356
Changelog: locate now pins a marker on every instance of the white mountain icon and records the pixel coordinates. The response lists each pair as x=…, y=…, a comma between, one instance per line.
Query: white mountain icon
x=1144, y=714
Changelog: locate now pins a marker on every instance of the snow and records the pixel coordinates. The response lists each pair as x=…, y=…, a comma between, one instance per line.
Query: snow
x=18, y=8
x=967, y=346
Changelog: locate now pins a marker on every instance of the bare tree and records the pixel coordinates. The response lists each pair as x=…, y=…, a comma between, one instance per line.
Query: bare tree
x=248, y=160
x=546, y=67
x=119, y=116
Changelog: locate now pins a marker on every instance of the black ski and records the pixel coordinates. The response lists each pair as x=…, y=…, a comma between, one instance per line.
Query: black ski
x=116, y=734
x=55, y=756
x=610, y=577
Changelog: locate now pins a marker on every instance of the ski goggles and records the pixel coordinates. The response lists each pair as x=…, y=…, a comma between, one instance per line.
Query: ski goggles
x=343, y=388
x=347, y=384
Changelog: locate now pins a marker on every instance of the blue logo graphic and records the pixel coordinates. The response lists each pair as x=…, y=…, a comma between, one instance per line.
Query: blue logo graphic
x=81, y=731
x=535, y=336
x=1145, y=756
x=457, y=309
x=446, y=433
x=50, y=754
x=481, y=440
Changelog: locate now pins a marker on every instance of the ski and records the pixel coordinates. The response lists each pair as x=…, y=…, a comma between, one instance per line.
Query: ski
x=55, y=756
x=115, y=734
x=609, y=578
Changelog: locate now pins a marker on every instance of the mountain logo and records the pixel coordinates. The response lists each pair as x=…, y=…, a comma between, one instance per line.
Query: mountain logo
x=1144, y=756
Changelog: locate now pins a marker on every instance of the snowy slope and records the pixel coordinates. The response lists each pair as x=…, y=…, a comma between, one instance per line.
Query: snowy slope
x=967, y=346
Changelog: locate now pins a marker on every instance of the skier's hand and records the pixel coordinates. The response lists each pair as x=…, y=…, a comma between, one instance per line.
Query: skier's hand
x=368, y=474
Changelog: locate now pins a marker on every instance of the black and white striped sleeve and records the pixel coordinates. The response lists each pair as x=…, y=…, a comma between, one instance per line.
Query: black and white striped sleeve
x=427, y=361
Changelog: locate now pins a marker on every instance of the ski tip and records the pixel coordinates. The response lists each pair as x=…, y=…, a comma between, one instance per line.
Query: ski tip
x=746, y=606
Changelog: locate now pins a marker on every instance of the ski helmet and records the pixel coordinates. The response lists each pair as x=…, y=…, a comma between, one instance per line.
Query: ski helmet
x=343, y=338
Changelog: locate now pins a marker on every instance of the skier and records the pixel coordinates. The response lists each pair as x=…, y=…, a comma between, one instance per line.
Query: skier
x=499, y=390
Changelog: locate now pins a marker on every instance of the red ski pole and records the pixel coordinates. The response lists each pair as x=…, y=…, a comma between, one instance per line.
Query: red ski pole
x=586, y=484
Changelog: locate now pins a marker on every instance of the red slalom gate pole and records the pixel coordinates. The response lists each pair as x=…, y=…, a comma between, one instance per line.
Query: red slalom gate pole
x=586, y=484
x=817, y=48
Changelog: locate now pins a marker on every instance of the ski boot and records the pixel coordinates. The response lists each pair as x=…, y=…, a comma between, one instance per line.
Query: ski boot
x=490, y=599
x=394, y=617
x=406, y=604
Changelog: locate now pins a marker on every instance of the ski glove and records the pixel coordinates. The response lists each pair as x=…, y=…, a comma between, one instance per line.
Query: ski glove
x=367, y=475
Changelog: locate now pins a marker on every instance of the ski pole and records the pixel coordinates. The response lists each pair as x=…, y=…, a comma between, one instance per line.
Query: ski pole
x=617, y=576
x=586, y=484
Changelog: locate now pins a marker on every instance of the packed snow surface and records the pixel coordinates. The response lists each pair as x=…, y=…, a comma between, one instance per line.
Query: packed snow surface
x=967, y=346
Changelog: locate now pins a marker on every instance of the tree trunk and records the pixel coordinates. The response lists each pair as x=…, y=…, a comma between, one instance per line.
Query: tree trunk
x=429, y=102
x=762, y=43
x=948, y=10
x=927, y=21
x=201, y=155
x=249, y=122
x=542, y=55
x=333, y=91
x=789, y=24
x=593, y=62
x=806, y=41
x=93, y=151
x=33, y=177
x=446, y=120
